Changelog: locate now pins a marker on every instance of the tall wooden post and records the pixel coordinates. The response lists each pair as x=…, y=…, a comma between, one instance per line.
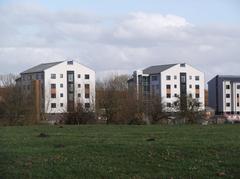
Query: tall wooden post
x=37, y=99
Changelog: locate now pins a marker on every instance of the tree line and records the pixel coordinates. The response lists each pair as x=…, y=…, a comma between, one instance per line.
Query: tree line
x=120, y=105
x=115, y=104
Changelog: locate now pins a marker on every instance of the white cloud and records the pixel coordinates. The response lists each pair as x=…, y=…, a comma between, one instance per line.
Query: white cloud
x=149, y=27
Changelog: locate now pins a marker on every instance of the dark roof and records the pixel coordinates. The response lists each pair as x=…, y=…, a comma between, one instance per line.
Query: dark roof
x=41, y=67
x=157, y=68
x=229, y=76
x=233, y=78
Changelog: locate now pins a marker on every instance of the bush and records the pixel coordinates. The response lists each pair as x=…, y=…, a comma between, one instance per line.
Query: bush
x=79, y=116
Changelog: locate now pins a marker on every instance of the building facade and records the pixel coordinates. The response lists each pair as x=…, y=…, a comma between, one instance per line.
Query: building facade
x=169, y=82
x=64, y=85
x=223, y=94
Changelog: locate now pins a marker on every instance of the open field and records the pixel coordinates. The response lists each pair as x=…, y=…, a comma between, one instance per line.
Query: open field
x=117, y=151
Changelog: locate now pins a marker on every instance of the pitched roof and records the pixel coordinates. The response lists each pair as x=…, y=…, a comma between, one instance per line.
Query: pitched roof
x=157, y=68
x=41, y=67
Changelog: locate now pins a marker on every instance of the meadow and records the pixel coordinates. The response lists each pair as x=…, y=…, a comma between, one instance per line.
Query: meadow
x=120, y=151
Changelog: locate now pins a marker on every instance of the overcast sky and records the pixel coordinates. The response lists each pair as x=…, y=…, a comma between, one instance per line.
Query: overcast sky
x=113, y=36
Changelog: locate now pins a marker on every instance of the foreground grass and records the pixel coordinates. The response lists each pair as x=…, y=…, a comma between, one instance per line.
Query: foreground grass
x=101, y=151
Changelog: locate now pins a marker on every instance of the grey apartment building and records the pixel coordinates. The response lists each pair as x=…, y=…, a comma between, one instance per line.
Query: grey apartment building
x=223, y=94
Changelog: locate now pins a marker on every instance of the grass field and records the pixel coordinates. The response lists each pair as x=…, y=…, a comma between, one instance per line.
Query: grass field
x=116, y=151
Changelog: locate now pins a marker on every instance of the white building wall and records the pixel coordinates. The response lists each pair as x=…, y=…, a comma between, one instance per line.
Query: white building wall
x=175, y=71
x=62, y=68
x=233, y=100
x=227, y=100
x=237, y=100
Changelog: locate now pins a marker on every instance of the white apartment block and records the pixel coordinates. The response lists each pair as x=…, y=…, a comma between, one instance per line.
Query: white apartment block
x=64, y=85
x=224, y=92
x=169, y=82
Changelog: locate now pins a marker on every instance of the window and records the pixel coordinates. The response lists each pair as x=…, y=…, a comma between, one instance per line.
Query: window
x=190, y=77
x=53, y=95
x=182, y=65
x=175, y=86
x=61, y=104
x=227, y=86
x=175, y=77
x=79, y=85
x=145, y=88
x=79, y=75
x=227, y=95
x=168, y=86
x=70, y=77
x=53, y=86
x=39, y=76
x=190, y=86
x=87, y=95
x=154, y=78
x=190, y=95
x=237, y=95
x=79, y=95
x=70, y=62
x=61, y=95
x=61, y=75
x=237, y=104
x=53, y=105
x=87, y=86
x=29, y=77
x=70, y=97
x=238, y=86
x=168, y=77
x=183, y=79
x=169, y=105
x=70, y=88
x=153, y=89
x=197, y=78
x=175, y=95
x=168, y=95
x=197, y=95
x=228, y=104
x=87, y=105
x=53, y=76
x=87, y=77
x=61, y=85
x=197, y=87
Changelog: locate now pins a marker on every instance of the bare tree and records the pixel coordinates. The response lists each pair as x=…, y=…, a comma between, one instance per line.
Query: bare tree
x=155, y=109
x=8, y=80
x=16, y=106
x=111, y=97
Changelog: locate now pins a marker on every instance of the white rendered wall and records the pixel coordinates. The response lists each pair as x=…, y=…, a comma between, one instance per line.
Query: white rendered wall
x=62, y=68
x=233, y=97
x=227, y=100
x=236, y=91
x=175, y=71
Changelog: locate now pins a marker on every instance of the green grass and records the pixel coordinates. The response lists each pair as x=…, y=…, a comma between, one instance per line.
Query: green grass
x=117, y=151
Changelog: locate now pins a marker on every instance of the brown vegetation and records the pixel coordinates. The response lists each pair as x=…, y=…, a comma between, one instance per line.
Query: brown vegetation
x=16, y=107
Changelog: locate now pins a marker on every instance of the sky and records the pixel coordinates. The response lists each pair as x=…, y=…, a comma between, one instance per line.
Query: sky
x=120, y=36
